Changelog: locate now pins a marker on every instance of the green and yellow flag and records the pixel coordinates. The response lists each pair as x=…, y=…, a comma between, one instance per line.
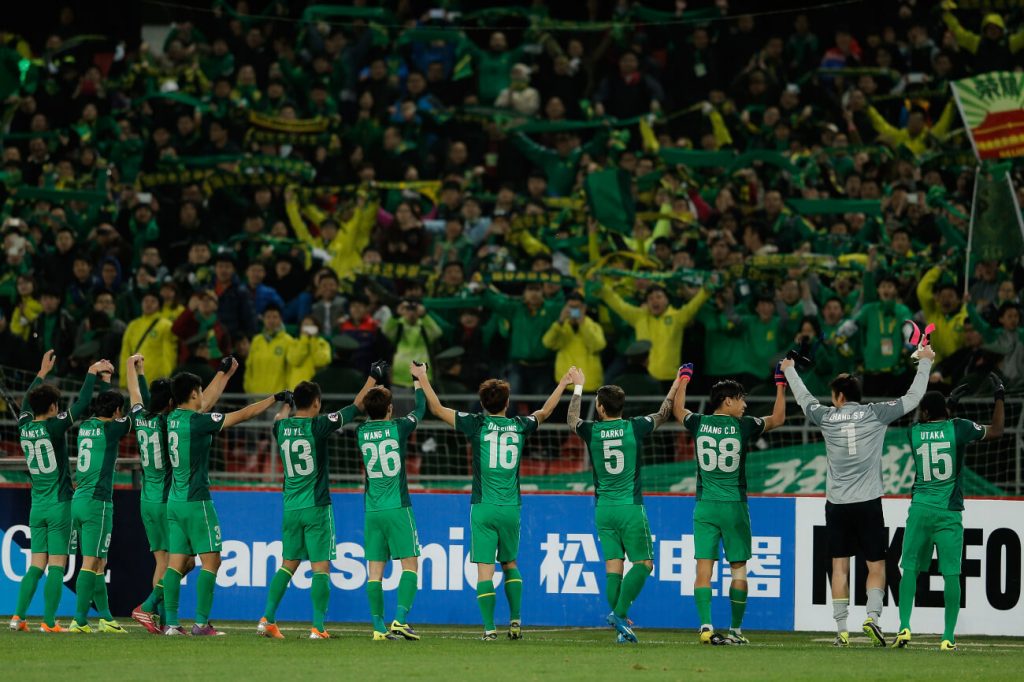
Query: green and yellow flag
x=992, y=106
x=997, y=228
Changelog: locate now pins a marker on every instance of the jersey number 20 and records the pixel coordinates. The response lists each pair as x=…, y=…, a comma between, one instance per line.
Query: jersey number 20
x=40, y=457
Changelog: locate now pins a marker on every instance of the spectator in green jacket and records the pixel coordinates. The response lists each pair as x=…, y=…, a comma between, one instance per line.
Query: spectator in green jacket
x=530, y=362
x=879, y=328
x=411, y=332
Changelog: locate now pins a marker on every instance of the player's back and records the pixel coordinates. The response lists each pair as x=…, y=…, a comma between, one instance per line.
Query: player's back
x=189, y=440
x=497, y=444
x=721, y=442
x=151, y=435
x=303, y=451
x=98, y=443
x=938, y=449
x=854, y=436
x=382, y=445
x=46, y=455
x=616, y=455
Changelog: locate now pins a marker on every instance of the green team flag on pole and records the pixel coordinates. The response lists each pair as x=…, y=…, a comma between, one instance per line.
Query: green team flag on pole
x=997, y=228
x=610, y=196
x=992, y=106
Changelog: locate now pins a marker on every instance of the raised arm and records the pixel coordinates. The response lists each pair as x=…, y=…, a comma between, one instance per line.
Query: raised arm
x=378, y=372
x=250, y=411
x=213, y=392
x=284, y=412
x=807, y=402
x=995, y=430
x=551, y=403
x=445, y=414
x=573, y=416
x=917, y=388
x=133, y=367
x=45, y=367
x=683, y=379
x=81, y=405
x=778, y=416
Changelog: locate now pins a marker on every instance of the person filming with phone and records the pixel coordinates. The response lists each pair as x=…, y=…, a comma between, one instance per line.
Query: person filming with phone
x=578, y=341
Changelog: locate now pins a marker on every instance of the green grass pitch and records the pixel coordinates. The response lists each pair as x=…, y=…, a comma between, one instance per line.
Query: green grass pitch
x=454, y=653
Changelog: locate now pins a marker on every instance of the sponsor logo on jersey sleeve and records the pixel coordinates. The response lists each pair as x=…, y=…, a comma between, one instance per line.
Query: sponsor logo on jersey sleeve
x=62, y=415
x=334, y=417
x=217, y=416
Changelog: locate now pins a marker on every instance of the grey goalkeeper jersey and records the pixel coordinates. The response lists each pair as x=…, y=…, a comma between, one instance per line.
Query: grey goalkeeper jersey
x=854, y=435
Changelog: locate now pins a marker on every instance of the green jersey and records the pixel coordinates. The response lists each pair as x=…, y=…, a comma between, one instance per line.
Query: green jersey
x=189, y=439
x=45, y=446
x=98, y=443
x=383, y=446
x=721, y=444
x=938, y=449
x=497, y=444
x=615, y=453
x=302, y=444
x=151, y=433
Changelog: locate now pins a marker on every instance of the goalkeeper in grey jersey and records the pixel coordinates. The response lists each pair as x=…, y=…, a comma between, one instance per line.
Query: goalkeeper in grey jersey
x=854, y=435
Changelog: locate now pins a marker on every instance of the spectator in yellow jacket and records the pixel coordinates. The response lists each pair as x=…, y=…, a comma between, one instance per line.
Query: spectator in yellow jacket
x=343, y=244
x=658, y=322
x=993, y=49
x=917, y=136
x=578, y=341
x=941, y=305
x=308, y=354
x=266, y=368
x=149, y=335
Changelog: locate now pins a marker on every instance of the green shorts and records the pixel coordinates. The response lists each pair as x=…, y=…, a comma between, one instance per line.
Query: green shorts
x=193, y=528
x=725, y=521
x=929, y=527
x=494, y=533
x=309, y=534
x=92, y=522
x=391, y=534
x=50, y=525
x=624, y=532
x=154, y=519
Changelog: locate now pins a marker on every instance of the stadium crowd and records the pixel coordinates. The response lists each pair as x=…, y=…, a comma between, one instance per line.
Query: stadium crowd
x=310, y=189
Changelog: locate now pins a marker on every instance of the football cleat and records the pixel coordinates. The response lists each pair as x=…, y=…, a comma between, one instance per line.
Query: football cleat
x=405, y=630
x=737, y=637
x=902, y=639
x=709, y=636
x=175, y=631
x=80, y=629
x=515, y=630
x=205, y=631
x=619, y=639
x=266, y=629
x=19, y=624
x=318, y=634
x=381, y=636
x=145, y=619
x=43, y=627
x=111, y=626
x=842, y=639
x=621, y=626
x=490, y=636
x=948, y=646
x=874, y=632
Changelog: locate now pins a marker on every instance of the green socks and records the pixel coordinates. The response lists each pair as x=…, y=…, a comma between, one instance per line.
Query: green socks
x=407, y=586
x=149, y=606
x=702, y=595
x=28, y=589
x=514, y=593
x=631, y=586
x=375, y=593
x=84, y=589
x=278, y=586
x=951, y=594
x=204, y=595
x=908, y=590
x=738, y=599
x=485, y=599
x=51, y=594
x=99, y=595
x=321, y=593
x=613, y=584
x=172, y=591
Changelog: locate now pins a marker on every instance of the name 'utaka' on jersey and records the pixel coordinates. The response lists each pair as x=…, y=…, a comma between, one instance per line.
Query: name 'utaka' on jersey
x=938, y=449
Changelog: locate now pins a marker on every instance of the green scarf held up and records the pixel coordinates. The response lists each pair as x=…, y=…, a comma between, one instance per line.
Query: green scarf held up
x=206, y=325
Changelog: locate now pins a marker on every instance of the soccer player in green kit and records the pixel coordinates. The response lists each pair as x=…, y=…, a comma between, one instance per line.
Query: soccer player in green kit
x=92, y=507
x=722, y=440
x=150, y=425
x=497, y=442
x=307, y=530
x=615, y=447
x=191, y=516
x=42, y=428
x=389, y=527
x=935, y=518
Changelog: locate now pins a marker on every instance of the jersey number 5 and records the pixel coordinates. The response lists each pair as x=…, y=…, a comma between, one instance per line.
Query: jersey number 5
x=614, y=459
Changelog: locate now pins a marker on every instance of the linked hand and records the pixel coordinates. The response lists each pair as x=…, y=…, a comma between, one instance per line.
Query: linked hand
x=686, y=372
